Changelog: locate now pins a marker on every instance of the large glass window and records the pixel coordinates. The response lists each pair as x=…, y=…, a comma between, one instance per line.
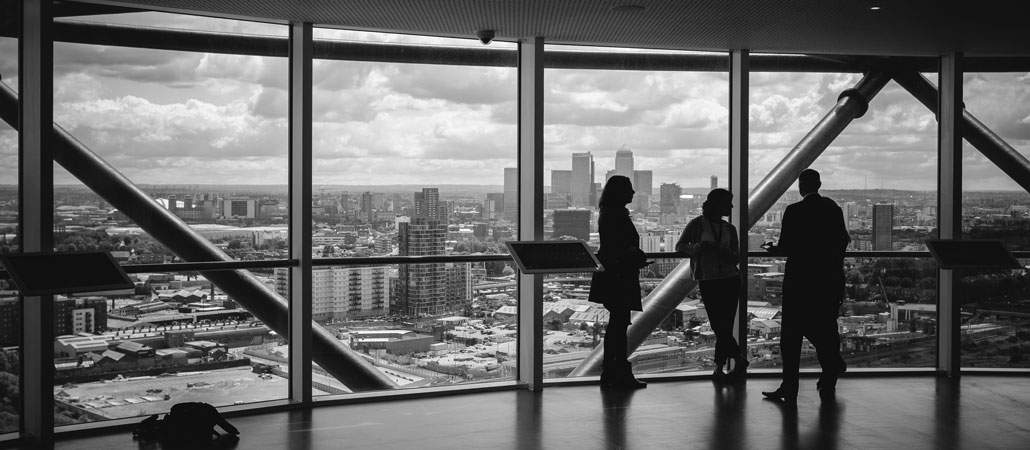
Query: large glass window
x=416, y=160
x=667, y=131
x=995, y=305
x=177, y=337
x=881, y=170
x=204, y=136
x=10, y=306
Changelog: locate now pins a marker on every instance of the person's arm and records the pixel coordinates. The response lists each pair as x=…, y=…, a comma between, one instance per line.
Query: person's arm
x=786, y=242
x=633, y=256
x=842, y=226
x=733, y=252
x=688, y=243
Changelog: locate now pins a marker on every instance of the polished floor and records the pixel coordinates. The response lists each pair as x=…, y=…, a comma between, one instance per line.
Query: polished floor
x=903, y=413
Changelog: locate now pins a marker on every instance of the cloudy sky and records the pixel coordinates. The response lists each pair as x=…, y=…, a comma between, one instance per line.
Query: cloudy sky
x=191, y=118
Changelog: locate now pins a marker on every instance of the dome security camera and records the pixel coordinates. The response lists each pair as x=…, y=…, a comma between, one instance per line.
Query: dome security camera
x=485, y=36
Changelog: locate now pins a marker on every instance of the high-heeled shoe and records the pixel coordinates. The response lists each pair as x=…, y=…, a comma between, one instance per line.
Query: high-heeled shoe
x=739, y=371
x=718, y=376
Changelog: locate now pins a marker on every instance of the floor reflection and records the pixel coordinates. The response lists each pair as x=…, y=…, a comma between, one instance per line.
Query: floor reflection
x=728, y=416
x=825, y=433
x=946, y=411
x=615, y=405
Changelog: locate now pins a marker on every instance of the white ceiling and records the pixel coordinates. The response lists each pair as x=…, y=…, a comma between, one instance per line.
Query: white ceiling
x=900, y=27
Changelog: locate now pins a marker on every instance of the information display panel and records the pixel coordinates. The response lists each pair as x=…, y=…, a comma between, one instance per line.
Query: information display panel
x=553, y=256
x=65, y=273
x=971, y=254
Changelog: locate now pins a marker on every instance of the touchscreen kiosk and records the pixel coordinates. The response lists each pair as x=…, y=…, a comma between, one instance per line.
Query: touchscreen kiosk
x=553, y=256
x=64, y=273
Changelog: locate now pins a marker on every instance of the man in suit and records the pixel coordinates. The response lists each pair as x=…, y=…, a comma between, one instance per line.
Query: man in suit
x=813, y=237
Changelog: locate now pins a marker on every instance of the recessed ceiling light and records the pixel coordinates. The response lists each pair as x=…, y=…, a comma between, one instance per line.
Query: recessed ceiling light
x=628, y=7
x=874, y=8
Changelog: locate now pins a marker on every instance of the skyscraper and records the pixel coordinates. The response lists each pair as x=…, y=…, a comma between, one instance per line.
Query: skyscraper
x=669, y=197
x=458, y=293
x=561, y=181
x=511, y=193
x=572, y=222
x=496, y=201
x=883, y=225
x=342, y=292
x=366, y=206
x=428, y=206
x=714, y=181
x=624, y=163
x=582, y=182
x=643, y=186
x=422, y=287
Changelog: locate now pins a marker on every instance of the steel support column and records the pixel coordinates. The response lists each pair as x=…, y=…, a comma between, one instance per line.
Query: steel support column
x=949, y=208
x=670, y=292
x=739, y=77
x=300, y=212
x=36, y=216
x=851, y=104
x=334, y=356
x=992, y=146
x=531, y=206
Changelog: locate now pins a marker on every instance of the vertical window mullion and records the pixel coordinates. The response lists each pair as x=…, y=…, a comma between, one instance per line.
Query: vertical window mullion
x=36, y=215
x=300, y=86
x=531, y=206
x=949, y=199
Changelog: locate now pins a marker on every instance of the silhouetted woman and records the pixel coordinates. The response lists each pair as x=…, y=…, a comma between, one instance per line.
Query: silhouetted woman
x=711, y=243
x=618, y=287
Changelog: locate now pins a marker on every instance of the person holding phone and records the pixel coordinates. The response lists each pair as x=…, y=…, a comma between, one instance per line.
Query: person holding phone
x=712, y=245
x=618, y=286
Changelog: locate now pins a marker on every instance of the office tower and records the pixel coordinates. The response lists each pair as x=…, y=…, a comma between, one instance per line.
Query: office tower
x=714, y=181
x=669, y=197
x=609, y=174
x=561, y=181
x=511, y=193
x=624, y=163
x=366, y=206
x=642, y=184
x=459, y=286
x=428, y=206
x=342, y=293
x=239, y=208
x=582, y=182
x=488, y=210
x=556, y=201
x=498, y=199
x=80, y=315
x=422, y=286
x=572, y=222
x=883, y=225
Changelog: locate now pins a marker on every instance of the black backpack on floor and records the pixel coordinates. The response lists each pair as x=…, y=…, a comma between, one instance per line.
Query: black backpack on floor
x=188, y=425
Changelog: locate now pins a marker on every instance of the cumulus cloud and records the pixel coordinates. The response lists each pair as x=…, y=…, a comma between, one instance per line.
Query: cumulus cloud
x=181, y=117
